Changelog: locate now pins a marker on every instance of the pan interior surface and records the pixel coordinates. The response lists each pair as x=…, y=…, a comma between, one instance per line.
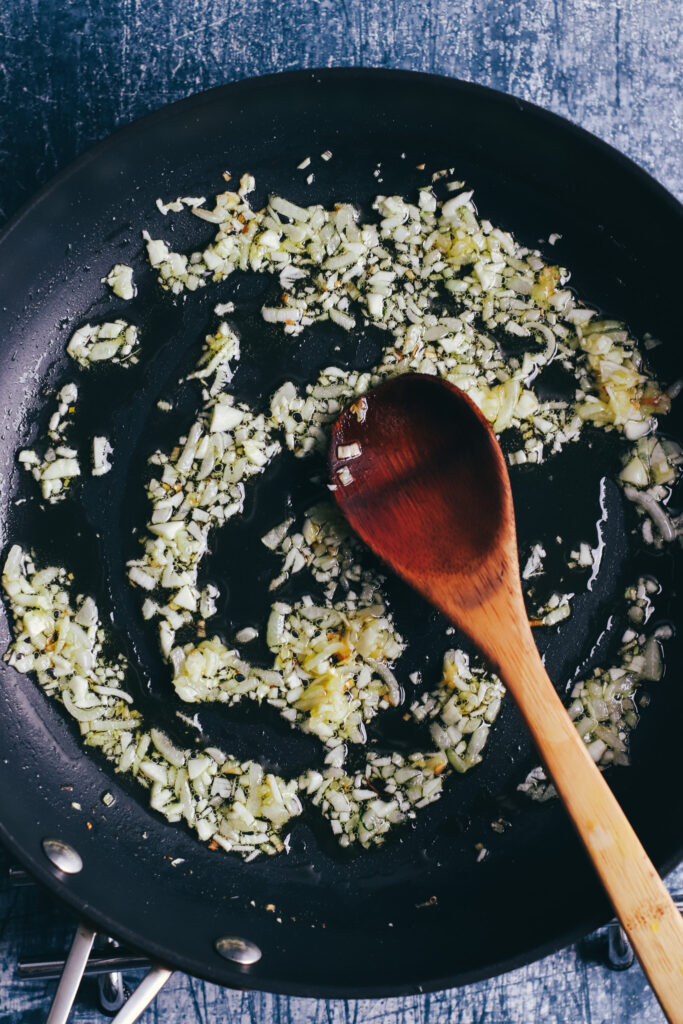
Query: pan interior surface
x=422, y=911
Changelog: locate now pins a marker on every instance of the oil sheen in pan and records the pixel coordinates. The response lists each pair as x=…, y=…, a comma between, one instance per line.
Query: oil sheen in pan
x=243, y=567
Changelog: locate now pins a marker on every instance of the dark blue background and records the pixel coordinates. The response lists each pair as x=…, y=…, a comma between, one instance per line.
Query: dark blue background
x=70, y=72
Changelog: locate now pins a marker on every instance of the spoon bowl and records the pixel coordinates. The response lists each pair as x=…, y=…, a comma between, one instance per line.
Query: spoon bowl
x=447, y=464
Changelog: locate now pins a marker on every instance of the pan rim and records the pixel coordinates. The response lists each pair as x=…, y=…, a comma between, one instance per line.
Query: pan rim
x=231, y=92
x=197, y=99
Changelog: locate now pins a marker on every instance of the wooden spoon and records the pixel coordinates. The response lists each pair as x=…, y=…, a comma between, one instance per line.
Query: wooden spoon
x=421, y=478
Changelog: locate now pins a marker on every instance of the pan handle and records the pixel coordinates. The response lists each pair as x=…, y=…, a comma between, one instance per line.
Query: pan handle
x=71, y=975
x=147, y=990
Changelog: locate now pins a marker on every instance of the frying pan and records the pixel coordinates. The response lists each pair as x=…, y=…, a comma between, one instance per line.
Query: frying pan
x=423, y=911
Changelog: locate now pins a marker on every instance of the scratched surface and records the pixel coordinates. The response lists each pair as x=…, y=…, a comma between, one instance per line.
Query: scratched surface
x=70, y=72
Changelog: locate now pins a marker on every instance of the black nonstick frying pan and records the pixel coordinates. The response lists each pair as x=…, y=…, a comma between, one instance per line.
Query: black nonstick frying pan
x=420, y=912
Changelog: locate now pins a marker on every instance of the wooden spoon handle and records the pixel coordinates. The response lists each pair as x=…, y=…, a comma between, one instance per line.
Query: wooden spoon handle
x=643, y=905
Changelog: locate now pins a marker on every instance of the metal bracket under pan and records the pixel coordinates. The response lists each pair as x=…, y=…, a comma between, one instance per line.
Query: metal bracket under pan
x=72, y=974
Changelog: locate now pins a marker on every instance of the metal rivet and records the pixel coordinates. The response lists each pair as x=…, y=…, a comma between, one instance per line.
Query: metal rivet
x=240, y=951
x=63, y=856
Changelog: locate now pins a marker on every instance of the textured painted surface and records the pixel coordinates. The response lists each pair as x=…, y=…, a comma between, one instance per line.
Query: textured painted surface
x=70, y=72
